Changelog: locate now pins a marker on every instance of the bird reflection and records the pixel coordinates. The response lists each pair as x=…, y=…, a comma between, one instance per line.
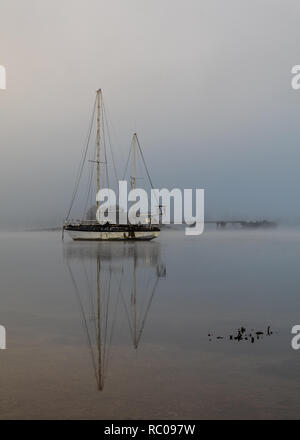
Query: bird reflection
x=112, y=281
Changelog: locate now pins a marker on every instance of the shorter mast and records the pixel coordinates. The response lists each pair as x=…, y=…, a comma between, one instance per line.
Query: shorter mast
x=100, y=376
x=135, y=342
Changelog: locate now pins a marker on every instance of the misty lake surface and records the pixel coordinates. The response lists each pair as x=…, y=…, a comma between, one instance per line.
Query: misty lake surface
x=120, y=330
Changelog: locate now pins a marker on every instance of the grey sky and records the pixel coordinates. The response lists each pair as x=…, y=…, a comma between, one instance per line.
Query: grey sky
x=205, y=83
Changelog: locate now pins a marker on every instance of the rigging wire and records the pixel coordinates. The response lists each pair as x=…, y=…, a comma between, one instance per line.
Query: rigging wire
x=104, y=142
x=106, y=322
x=82, y=161
x=84, y=155
x=90, y=182
x=109, y=141
x=104, y=145
x=147, y=311
x=126, y=311
x=145, y=165
x=111, y=124
x=113, y=324
x=147, y=171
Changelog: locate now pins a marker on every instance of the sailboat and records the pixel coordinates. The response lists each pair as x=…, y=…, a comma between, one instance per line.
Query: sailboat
x=93, y=230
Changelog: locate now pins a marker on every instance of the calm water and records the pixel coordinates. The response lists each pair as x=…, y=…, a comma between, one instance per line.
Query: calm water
x=120, y=330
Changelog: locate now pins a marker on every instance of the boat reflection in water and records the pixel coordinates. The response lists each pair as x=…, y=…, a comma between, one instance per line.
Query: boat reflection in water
x=113, y=282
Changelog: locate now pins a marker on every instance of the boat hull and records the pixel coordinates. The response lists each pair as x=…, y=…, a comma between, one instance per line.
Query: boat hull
x=111, y=235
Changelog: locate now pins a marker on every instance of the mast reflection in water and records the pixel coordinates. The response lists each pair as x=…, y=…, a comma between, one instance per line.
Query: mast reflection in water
x=113, y=282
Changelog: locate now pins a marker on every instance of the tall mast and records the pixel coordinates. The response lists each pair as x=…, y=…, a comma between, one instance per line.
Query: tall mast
x=100, y=377
x=134, y=161
x=135, y=343
x=99, y=96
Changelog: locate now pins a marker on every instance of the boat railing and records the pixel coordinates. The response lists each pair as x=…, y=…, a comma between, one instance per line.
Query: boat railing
x=80, y=222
